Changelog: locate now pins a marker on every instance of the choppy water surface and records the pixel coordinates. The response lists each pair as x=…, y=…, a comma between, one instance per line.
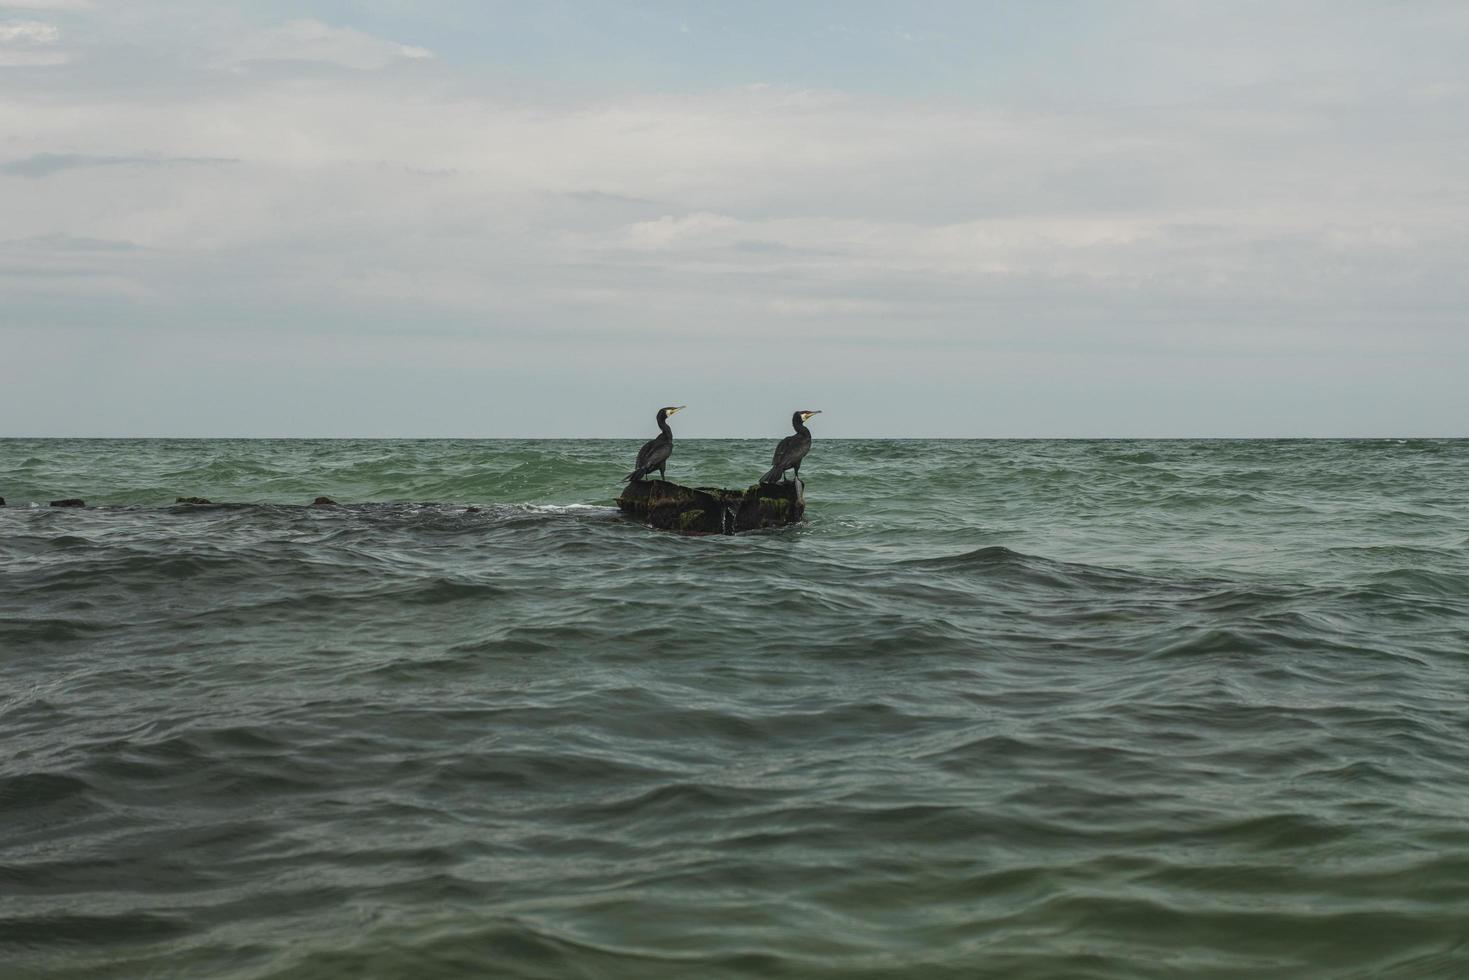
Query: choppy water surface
x=1019, y=709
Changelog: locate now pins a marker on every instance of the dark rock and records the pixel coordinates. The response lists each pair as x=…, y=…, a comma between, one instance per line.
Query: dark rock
x=710, y=510
x=670, y=507
x=323, y=502
x=471, y=510
x=193, y=500
x=69, y=502
x=2, y=501
x=771, y=505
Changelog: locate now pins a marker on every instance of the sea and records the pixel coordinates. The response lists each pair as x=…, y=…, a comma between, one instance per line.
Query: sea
x=1016, y=709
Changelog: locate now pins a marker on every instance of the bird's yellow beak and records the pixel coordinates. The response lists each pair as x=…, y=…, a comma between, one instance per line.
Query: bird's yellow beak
x=678, y=408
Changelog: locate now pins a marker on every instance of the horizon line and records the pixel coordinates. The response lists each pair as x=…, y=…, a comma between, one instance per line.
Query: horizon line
x=634, y=438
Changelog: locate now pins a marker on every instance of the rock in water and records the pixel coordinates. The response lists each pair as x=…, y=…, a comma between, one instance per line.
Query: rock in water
x=710, y=510
x=69, y=502
x=2, y=501
x=323, y=502
x=670, y=507
x=193, y=500
x=772, y=505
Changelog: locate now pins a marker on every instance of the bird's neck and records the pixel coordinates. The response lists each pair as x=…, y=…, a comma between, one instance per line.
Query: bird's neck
x=663, y=428
x=800, y=427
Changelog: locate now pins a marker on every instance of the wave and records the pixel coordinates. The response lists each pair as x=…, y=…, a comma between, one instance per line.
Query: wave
x=1421, y=582
x=1032, y=569
x=38, y=790
x=998, y=708
x=20, y=933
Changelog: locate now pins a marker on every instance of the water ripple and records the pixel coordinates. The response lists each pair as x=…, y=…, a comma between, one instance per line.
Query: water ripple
x=1115, y=709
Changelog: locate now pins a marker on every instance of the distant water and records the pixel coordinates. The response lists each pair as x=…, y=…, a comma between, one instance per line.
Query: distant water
x=1000, y=709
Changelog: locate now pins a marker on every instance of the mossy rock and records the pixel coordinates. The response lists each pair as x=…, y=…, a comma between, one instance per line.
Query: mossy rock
x=772, y=505
x=711, y=510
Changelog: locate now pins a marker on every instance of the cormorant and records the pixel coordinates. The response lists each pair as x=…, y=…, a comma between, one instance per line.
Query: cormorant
x=792, y=449
x=655, y=452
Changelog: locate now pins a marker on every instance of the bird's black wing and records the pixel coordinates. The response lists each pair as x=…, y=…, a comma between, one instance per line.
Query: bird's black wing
x=658, y=452
x=783, y=450
x=645, y=455
x=652, y=456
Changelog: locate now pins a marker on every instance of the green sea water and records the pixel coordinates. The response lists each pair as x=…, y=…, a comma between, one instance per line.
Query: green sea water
x=996, y=709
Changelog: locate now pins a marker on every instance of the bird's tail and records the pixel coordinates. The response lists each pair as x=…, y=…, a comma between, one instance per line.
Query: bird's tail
x=634, y=476
x=773, y=476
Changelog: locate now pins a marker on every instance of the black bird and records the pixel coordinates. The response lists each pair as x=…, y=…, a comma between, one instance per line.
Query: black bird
x=792, y=449
x=655, y=452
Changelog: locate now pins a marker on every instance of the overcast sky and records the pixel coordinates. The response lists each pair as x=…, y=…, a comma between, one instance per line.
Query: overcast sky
x=470, y=218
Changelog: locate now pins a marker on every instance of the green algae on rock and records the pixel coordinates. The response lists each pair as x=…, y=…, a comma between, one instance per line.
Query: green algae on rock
x=710, y=510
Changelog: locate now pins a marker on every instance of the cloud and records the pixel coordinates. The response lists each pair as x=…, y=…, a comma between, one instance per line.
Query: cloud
x=311, y=40
x=602, y=197
x=668, y=231
x=56, y=5
x=1292, y=218
x=478, y=204
x=29, y=43
x=22, y=58
x=47, y=164
x=68, y=243
x=33, y=32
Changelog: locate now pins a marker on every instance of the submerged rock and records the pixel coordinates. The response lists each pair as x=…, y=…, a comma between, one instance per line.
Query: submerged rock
x=193, y=500
x=69, y=502
x=710, y=510
x=323, y=502
x=2, y=501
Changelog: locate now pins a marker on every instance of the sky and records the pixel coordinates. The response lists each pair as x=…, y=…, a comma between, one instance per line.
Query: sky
x=1078, y=218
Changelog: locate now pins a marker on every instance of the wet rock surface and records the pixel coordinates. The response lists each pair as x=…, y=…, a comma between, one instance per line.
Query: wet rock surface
x=711, y=510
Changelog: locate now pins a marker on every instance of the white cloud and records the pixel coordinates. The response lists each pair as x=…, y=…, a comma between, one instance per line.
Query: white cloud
x=56, y=5
x=665, y=232
x=315, y=41
x=28, y=32
x=1320, y=215
x=29, y=43
x=842, y=196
